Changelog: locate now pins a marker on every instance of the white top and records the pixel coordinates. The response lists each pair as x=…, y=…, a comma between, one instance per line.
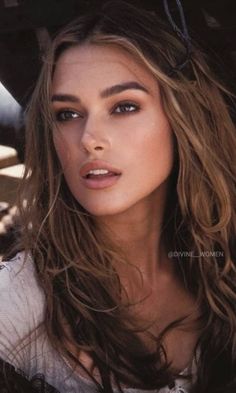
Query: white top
x=22, y=303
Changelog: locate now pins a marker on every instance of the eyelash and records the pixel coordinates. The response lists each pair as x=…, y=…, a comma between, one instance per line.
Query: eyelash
x=75, y=115
x=61, y=113
x=126, y=104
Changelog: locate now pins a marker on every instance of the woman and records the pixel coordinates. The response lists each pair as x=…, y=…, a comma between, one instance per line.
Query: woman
x=127, y=281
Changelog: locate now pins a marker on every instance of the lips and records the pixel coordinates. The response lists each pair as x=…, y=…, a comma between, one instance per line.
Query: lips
x=98, y=164
x=99, y=182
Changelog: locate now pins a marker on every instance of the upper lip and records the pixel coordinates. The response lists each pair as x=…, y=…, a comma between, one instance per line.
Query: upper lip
x=97, y=164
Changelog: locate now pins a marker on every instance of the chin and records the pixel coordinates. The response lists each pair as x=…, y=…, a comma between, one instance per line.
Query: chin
x=99, y=209
x=102, y=211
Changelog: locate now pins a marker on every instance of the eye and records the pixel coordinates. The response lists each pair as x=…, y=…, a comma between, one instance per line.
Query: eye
x=66, y=115
x=126, y=107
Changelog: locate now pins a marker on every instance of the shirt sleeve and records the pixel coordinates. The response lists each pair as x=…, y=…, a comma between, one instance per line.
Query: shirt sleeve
x=21, y=310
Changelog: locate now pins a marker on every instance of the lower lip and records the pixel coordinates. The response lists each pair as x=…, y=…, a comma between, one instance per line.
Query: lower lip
x=98, y=184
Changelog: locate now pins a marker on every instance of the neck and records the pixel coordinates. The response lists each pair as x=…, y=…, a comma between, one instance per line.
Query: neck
x=138, y=232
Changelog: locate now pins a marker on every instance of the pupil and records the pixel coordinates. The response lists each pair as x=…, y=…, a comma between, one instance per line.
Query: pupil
x=125, y=108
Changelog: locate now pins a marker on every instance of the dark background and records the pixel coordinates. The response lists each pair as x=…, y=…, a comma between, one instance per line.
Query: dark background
x=24, y=25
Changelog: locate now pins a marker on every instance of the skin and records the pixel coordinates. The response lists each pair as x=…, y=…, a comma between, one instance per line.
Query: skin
x=140, y=144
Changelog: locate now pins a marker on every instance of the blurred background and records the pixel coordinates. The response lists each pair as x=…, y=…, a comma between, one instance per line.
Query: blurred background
x=26, y=28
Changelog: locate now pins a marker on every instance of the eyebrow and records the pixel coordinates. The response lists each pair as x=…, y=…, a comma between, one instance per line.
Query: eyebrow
x=110, y=91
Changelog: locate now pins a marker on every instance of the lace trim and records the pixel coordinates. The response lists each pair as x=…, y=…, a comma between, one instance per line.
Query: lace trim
x=15, y=381
x=178, y=390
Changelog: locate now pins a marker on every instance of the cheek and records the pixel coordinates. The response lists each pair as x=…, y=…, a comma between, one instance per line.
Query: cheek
x=163, y=147
x=63, y=148
x=156, y=148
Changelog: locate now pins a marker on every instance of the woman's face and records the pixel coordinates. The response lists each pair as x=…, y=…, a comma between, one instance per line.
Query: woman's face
x=108, y=113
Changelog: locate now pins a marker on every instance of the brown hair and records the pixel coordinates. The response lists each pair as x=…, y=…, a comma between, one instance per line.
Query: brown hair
x=75, y=262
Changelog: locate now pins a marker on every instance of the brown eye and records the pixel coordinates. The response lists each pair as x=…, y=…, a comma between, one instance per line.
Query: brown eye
x=126, y=107
x=67, y=115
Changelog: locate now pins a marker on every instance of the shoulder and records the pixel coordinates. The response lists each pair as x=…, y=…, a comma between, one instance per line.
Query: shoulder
x=21, y=302
x=15, y=269
x=18, y=282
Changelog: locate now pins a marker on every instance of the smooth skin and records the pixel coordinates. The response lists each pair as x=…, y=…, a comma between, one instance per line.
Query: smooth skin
x=128, y=128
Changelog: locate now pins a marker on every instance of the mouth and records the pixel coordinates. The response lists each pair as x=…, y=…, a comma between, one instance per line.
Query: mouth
x=98, y=174
x=101, y=176
x=100, y=181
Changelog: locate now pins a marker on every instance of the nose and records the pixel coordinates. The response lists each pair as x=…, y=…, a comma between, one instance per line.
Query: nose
x=95, y=136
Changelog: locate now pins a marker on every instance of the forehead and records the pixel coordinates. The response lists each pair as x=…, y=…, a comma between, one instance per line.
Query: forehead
x=100, y=64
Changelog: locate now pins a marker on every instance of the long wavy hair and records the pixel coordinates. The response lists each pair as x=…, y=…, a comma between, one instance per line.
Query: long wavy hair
x=75, y=262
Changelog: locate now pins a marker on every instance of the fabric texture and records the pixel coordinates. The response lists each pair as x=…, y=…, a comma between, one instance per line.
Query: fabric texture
x=28, y=362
